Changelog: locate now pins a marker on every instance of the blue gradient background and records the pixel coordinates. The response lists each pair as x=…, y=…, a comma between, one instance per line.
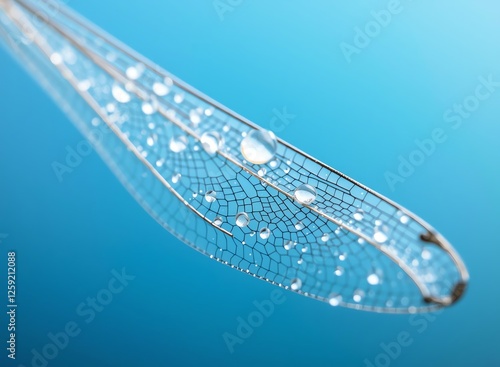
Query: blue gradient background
x=358, y=117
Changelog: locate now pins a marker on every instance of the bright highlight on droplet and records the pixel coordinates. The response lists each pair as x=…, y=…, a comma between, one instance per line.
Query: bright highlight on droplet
x=259, y=146
x=305, y=194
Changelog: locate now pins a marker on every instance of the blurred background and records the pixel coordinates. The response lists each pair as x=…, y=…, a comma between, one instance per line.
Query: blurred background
x=360, y=82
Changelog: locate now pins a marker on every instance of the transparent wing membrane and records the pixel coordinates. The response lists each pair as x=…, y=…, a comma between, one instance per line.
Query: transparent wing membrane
x=224, y=186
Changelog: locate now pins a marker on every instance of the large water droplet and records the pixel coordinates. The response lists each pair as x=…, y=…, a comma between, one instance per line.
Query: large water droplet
x=296, y=284
x=210, y=196
x=120, y=94
x=178, y=143
x=259, y=146
x=265, y=233
x=211, y=142
x=305, y=194
x=242, y=219
x=373, y=279
x=359, y=214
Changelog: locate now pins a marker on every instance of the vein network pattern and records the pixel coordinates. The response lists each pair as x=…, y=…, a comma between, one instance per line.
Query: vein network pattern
x=226, y=187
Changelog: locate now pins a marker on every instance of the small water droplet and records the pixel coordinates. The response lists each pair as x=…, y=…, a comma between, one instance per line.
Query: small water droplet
x=300, y=261
x=218, y=221
x=339, y=271
x=404, y=219
x=209, y=111
x=305, y=194
x=359, y=214
x=242, y=219
x=296, y=284
x=342, y=257
x=178, y=143
x=194, y=117
x=381, y=234
x=179, y=98
x=259, y=146
x=134, y=72
x=288, y=245
x=151, y=140
x=56, y=58
x=325, y=237
x=265, y=233
x=211, y=142
x=358, y=295
x=426, y=254
x=373, y=279
x=120, y=94
x=210, y=196
x=176, y=177
x=273, y=164
x=159, y=163
x=334, y=299
x=84, y=85
x=299, y=226
x=262, y=172
x=160, y=89
x=149, y=107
